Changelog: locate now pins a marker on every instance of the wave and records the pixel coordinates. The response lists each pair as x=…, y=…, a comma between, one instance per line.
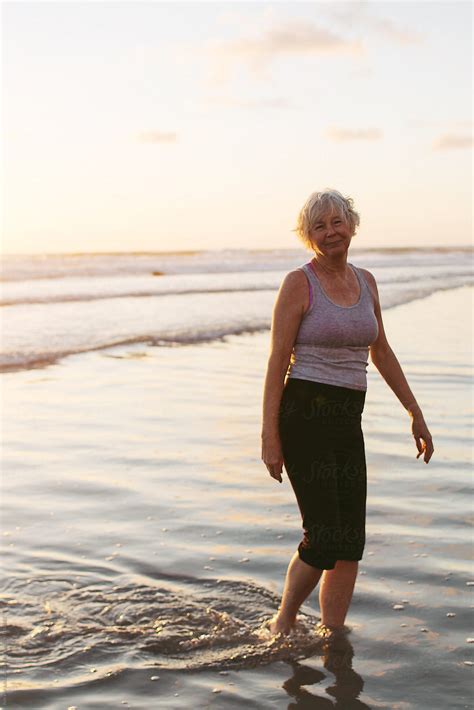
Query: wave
x=455, y=278
x=13, y=362
x=195, y=333
x=66, y=298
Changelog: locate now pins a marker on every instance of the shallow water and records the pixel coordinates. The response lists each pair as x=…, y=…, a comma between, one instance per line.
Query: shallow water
x=143, y=537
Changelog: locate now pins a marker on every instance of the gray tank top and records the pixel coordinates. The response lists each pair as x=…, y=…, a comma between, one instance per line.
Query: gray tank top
x=332, y=343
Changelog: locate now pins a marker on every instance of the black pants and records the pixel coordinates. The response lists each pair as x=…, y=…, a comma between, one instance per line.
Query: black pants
x=324, y=457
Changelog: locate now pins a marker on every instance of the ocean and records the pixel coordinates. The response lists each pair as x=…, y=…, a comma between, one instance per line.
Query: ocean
x=64, y=304
x=143, y=540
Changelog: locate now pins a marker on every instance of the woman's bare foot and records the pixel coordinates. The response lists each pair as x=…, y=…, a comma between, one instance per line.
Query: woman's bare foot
x=277, y=625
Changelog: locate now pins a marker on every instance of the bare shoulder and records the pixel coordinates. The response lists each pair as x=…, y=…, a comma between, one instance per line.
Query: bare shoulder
x=294, y=289
x=368, y=274
x=295, y=279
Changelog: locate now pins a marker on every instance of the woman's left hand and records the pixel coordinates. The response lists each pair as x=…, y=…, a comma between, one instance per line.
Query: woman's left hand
x=422, y=436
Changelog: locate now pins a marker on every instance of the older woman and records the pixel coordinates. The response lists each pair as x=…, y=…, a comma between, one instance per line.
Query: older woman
x=326, y=318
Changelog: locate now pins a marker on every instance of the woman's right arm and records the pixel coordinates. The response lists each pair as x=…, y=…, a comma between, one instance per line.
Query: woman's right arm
x=291, y=303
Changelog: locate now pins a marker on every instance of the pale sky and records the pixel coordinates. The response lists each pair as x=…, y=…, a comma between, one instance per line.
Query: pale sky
x=150, y=126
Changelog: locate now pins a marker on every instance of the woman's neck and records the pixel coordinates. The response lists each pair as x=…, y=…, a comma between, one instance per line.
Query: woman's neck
x=331, y=267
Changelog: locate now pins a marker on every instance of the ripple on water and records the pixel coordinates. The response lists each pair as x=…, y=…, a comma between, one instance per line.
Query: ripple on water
x=93, y=625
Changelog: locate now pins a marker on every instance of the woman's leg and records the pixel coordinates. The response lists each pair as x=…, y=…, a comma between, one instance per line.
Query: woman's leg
x=301, y=579
x=335, y=592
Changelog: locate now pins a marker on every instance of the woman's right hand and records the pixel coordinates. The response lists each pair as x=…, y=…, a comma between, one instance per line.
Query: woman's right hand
x=272, y=455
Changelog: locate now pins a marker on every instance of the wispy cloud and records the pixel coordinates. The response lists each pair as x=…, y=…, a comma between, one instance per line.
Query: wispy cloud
x=157, y=137
x=340, y=135
x=288, y=39
x=298, y=38
x=451, y=141
x=357, y=14
x=397, y=34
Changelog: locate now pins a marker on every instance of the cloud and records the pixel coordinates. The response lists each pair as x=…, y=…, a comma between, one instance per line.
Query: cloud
x=292, y=38
x=358, y=12
x=394, y=32
x=452, y=141
x=340, y=135
x=157, y=137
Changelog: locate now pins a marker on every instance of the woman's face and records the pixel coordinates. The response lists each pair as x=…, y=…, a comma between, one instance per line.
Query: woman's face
x=331, y=234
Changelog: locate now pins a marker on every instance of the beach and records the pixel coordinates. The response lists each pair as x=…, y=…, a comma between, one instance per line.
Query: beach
x=145, y=542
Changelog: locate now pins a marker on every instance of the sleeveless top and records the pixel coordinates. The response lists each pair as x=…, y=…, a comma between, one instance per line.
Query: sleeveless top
x=332, y=343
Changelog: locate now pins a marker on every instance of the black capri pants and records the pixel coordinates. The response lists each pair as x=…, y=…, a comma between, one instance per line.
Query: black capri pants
x=324, y=456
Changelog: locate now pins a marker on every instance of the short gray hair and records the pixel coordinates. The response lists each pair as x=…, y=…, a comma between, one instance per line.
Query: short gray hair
x=319, y=204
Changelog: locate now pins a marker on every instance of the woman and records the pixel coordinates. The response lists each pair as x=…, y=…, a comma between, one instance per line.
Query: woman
x=326, y=317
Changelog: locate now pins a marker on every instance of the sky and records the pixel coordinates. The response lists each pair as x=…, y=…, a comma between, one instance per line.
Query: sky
x=155, y=126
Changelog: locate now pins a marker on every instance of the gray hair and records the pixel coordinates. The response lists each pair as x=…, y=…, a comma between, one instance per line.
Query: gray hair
x=319, y=204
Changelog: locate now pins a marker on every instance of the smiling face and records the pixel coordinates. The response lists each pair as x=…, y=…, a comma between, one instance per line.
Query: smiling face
x=331, y=234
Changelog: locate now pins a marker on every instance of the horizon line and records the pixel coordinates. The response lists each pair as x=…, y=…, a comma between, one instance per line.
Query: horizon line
x=188, y=252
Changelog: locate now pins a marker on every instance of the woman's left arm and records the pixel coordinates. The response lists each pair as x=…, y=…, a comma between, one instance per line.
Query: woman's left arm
x=387, y=364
